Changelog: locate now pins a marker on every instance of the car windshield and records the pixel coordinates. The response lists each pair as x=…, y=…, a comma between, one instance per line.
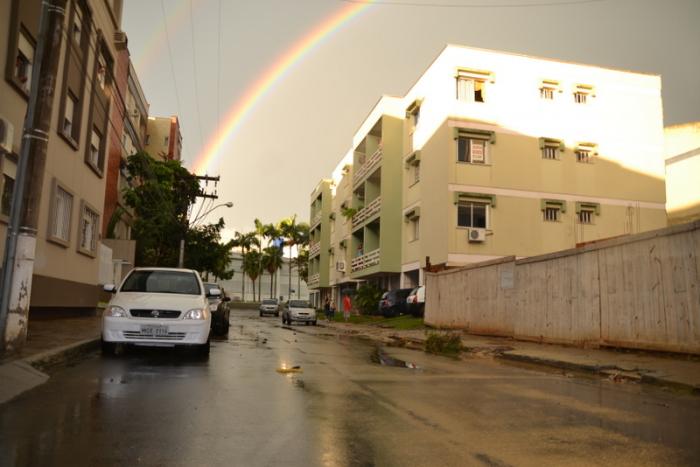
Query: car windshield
x=298, y=304
x=175, y=282
x=270, y=301
x=208, y=286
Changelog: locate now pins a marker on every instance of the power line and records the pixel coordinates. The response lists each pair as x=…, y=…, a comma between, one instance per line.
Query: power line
x=474, y=5
x=194, y=75
x=170, y=55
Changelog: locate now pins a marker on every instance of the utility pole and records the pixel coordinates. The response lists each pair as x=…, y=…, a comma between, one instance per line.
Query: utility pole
x=202, y=194
x=20, y=244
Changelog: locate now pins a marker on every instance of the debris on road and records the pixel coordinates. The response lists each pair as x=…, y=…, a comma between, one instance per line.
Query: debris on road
x=294, y=369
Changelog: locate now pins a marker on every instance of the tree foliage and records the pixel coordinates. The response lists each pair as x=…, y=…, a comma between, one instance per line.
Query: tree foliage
x=367, y=298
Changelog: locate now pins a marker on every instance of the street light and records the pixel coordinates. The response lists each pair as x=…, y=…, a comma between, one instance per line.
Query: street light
x=199, y=217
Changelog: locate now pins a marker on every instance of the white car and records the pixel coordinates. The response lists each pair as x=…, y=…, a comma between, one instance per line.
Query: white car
x=160, y=307
x=271, y=306
x=298, y=310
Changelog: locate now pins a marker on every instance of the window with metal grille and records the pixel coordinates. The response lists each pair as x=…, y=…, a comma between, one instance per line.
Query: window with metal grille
x=583, y=155
x=471, y=214
x=89, y=220
x=551, y=214
x=549, y=152
x=547, y=93
x=69, y=113
x=415, y=228
x=59, y=226
x=472, y=150
x=585, y=216
x=580, y=97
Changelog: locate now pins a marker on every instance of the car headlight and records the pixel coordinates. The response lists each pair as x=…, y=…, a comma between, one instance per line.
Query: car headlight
x=116, y=312
x=196, y=313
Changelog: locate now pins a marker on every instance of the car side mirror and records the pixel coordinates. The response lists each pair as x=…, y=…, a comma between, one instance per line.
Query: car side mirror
x=111, y=288
x=227, y=299
x=214, y=293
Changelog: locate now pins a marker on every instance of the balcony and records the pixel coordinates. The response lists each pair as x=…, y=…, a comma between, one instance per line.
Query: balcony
x=365, y=261
x=316, y=219
x=367, y=168
x=367, y=212
x=314, y=281
x=314, y=249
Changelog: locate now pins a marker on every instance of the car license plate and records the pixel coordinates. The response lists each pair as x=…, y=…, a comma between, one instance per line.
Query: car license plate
x=154, y=331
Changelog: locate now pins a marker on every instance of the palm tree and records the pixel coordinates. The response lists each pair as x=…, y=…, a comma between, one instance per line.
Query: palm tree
x=288, y=228
x=302, y=264
x=272, y=260
x=301, y=239
x=245, y=241
x=272, y=234
x=251, y=266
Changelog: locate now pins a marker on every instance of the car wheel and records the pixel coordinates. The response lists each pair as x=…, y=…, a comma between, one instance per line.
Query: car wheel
x=261, y=314
x=277, y=315
x=313, y=322
x=108, y=348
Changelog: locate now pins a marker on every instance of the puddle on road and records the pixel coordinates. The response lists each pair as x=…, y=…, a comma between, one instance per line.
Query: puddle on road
x=380, y=357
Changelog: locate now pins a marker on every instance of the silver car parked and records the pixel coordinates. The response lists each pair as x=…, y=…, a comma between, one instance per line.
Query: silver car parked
x=269, y=306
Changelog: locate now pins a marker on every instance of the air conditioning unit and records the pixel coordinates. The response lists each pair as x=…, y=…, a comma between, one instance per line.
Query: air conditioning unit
x=340, y=266
x=477, y=235
x=7, y=133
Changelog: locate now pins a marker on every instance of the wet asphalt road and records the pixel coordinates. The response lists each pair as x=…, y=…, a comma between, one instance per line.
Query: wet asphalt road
x=158, y=407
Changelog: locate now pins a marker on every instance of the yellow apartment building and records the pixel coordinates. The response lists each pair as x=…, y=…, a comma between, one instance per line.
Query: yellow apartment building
x=163, y=138
x=66, y=268
x=501, y=154
x=683, y=172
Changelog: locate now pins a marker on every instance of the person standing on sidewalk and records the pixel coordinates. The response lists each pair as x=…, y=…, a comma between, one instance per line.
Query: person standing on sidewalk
x=327, y=309
x=347, y=306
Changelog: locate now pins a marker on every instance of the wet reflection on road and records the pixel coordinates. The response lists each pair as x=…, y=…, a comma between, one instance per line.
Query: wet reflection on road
x=352, y=403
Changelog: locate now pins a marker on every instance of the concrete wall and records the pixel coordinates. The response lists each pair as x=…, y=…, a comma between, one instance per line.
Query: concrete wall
x=641, y=291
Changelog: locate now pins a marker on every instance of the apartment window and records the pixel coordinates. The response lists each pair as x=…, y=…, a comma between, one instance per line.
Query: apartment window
x=470, y=89
x=585, y=216
x=584, y=153
x=95, y=147
x=549, y=152
x=101, y=71
x=78, y=25
x=582, y=92
x=471, y=214
x=69, y=113
x=24, y=61
x=415, y=228
x=413, y=113
x=552, y=209
x=89, y=228
x=7, y=187
x=547, y=93
x=551, y=214
x=472, y=150
x=585, y=212
x=416, y=173
x=62, y=209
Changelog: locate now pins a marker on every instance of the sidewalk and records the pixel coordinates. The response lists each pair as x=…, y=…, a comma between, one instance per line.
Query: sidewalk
x=49, y=342
x=678, y=371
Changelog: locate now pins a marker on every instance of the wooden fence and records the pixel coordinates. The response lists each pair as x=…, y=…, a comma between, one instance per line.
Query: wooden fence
x=640, y=291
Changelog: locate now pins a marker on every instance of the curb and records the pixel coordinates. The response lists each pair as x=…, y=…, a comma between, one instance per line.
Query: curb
x=600, y=370
x=59, y=355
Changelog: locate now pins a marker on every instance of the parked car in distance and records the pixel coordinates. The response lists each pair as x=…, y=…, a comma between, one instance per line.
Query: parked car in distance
x=219, y=308
x=393, y=302
x=161, y=307
x=415, y=302
x=298, y=310
x=269, y=306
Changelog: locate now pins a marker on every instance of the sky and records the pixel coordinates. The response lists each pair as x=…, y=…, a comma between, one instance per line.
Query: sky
x=199, y=59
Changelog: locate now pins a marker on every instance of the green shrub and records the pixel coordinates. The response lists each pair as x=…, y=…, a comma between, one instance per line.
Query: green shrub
x=367, y=298
x=443, y=343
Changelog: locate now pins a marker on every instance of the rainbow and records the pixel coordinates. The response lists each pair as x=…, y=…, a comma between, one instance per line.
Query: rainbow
x=152, y=48
x=237, y=114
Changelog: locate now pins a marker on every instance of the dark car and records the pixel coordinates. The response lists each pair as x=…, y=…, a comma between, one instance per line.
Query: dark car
x=393, y=302
x=219, y=309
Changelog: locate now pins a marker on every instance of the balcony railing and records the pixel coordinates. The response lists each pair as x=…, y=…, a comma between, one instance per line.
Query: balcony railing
x=367, y=212
x=314, y=281
x=365, y=261
x=314, y=249
x=317, y=218
x=367, y=167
